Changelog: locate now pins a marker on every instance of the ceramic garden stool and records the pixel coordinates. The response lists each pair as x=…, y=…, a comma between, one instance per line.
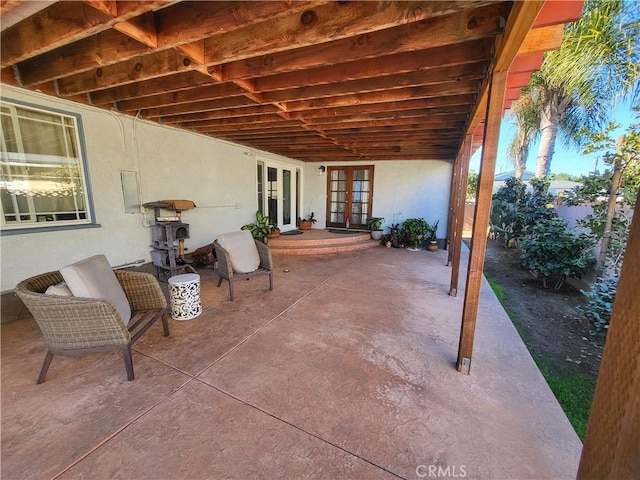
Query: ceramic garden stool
x=184, y=295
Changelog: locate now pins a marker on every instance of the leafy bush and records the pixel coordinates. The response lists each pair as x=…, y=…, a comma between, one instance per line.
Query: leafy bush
x=261, y=228
x=413, y=231
x=600, y=304
x=514, y=191
x=538, y=204
x=551, y=249
x=515, y=211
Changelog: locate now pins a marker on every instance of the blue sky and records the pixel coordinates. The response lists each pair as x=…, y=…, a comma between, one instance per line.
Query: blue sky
x=564, y=160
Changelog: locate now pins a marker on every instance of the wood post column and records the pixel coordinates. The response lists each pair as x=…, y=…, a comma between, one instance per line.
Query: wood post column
x=481, y=218
x=453, y=202
x=459, y=213
x=612, y=443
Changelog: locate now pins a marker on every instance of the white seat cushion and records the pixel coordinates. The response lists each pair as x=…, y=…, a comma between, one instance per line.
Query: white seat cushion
x=242, y=250
x=93, y=278
x=59, y=289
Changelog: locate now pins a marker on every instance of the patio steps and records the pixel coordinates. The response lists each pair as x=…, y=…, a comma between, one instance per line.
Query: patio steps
x=321, y=242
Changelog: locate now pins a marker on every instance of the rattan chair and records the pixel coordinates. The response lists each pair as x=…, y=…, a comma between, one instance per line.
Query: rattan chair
x=73, y=325
x=226, y=271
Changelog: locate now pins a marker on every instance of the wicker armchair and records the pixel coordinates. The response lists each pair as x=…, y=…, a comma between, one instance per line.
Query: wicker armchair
x=226, y=271
x=73, y=325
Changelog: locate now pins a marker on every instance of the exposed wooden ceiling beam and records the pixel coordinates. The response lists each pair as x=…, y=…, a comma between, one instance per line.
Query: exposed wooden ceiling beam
x=93, y=52
x=219, y=90
x=406, y=62
x=316, y=80
x=181, y=81
x=324, y=23
x=434, y=32
x=454, y=104
x=63, y=23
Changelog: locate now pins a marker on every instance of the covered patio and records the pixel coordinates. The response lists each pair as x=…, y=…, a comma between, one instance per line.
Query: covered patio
x=348, y=368
x=345, y=370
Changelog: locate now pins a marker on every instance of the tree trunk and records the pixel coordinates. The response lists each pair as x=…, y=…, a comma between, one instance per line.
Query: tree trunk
x=549, y=120
x=611, y=210
x=520, y=161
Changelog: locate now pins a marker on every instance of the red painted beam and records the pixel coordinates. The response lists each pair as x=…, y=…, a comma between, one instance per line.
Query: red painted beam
x=558, y=11
x=527, y=63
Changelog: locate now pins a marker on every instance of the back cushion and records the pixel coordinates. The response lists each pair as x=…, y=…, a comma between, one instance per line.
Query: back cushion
x=60, y=289
x=93, y=278
x=242, y=250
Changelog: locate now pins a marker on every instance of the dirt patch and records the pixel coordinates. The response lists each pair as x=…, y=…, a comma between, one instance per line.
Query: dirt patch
x=548, y=319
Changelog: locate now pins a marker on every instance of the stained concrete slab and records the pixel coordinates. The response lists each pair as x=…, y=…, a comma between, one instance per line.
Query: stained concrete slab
x=345, y=370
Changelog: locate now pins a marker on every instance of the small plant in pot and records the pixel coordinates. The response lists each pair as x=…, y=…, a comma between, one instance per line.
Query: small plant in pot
x=413, y=232
x=394, y=236
x=385, y=240
x=263, y=229
x=375, y=225
x=432, y=246
x=305, y=223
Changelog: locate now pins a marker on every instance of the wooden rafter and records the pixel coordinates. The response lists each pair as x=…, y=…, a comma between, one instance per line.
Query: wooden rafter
x=346, y=76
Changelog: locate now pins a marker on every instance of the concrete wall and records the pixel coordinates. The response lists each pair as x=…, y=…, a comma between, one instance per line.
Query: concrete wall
x=218, y=176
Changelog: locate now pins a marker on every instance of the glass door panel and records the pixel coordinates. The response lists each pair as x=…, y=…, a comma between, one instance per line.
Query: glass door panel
x=272, y=194
x=286, y=197
x=278, y=193
x=337, y=194
x=349, y=196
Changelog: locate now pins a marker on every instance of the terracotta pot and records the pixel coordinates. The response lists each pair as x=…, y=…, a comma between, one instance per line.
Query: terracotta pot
x=432, y=247
x=305, y=225
x=275, y=234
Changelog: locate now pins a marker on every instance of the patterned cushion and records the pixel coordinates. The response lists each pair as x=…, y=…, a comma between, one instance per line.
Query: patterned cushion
x=93, y=278
x=242, y=250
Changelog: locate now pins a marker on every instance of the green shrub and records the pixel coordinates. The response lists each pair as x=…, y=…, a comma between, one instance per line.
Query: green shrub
x=515, y=211
x=600, y=304
x=551, y=249
x=414, y=231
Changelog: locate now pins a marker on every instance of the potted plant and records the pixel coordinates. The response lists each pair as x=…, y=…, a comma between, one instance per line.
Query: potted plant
x=305, y=223
x=431, y=237
x=275, y=233
x=385, y=240
x=375, y=225
x=413, y=232
x=262, y=228
x=395, y=235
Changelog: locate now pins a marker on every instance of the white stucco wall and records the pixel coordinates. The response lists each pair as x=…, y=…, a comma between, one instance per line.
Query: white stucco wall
x=171, y=164
x=401, y=190
x=218, y=176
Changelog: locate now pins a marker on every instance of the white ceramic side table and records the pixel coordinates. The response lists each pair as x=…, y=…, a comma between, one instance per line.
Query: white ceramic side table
x=184, y=295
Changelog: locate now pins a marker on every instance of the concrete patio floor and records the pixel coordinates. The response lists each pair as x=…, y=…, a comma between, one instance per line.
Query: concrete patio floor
x=345, y=370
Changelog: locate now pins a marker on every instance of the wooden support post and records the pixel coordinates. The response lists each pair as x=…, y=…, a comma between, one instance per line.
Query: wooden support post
x=453, y=202
x=612, y=442
x=481, y=218
x=456, y=246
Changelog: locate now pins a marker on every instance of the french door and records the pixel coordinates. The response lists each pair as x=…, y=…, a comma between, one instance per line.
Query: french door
x=279, y=193
x=349, y=196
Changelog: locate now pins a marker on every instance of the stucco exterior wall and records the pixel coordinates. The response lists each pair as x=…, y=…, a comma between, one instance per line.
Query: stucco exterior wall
x=218, y=176
x=171, y=164
x=401, y=190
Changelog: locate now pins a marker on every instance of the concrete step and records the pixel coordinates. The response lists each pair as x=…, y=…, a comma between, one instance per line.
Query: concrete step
x=321, y=242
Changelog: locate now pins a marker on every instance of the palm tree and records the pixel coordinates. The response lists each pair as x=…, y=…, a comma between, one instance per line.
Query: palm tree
x=597, y=65
x=526, y=117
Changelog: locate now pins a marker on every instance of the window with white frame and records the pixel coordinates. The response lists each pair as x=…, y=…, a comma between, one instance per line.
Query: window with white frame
x=42, y=180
